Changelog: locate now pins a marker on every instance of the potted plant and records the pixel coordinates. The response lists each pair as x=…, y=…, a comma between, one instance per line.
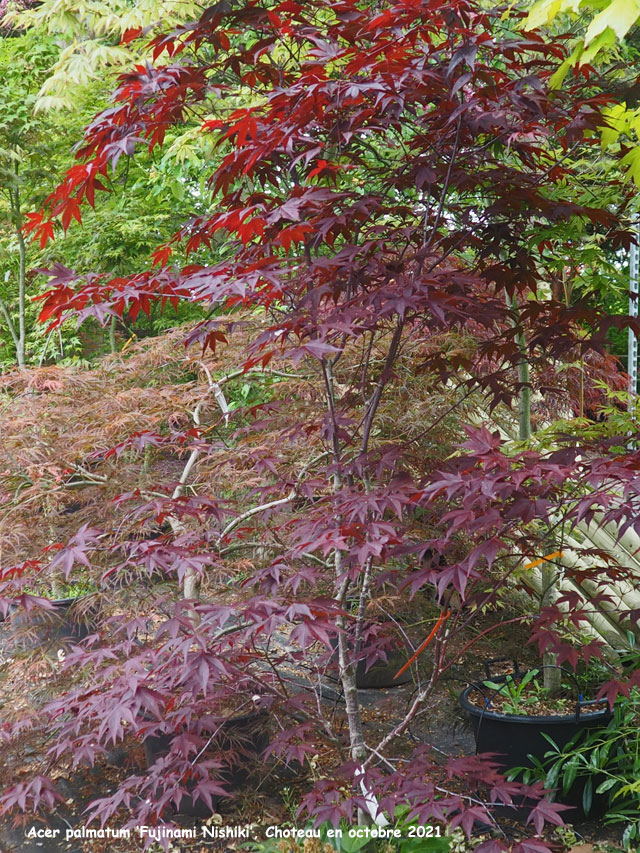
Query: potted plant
x=381, y=656
x=236, y=742
x=517, y=719
x=48, y=621
x=518, y=715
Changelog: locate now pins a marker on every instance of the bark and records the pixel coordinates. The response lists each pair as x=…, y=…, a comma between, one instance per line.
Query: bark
x=113, y=348
x=22, y=275
x=524, y=381
x=346, y=655
x=22, y=287
x=43, y=354
x=10, y=326
x=552, y=676
x=347, y=666
x=190, y=581
x=18, y=333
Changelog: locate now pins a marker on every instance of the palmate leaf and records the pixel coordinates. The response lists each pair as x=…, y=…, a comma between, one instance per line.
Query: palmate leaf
x=631, y=161
x=619, y=16
x=617, y=121
x=543, y=12
x=89, y=28
x=607, y=24
x=558, y=78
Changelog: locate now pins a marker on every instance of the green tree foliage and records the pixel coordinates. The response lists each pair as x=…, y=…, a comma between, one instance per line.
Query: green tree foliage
x=145, y=203
x=96, y=38
x=603, y=23
x=27, y=156
x=605, y=37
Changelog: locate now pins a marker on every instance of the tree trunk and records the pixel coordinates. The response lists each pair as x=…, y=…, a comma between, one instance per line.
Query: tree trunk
x=524, y=394
x=113, y=348
x=18, y=334
x=347, y=664
x=22, y=288
x=11, y=329
x=348, y=675
x=22, y=276
x=551, y=674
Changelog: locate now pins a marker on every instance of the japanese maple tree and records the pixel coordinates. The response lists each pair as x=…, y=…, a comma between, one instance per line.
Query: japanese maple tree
x=382, y=170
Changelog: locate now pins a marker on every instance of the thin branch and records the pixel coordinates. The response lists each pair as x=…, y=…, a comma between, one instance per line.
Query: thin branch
x=219, y=395
x=46, y=347
x=254, y=511
x=9, y=322
x=374, y=402
x=445, y=188
x=364, y=591
x=177, y=527
x=236, y=374
x=279, y=502
x=365, y=367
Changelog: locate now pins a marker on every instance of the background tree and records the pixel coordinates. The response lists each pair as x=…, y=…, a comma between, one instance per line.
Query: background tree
x=605, y=42
x=26, y=164
x=35, y=147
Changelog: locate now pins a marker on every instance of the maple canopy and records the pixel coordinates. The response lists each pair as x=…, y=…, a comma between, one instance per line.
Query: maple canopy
x=389, y=183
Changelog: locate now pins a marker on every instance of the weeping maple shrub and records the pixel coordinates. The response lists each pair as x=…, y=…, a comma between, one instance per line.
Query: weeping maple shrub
x=374, y=200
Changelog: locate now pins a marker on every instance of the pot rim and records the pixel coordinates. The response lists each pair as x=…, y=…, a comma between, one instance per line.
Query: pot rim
x=57, y=603
x=67, y=602
x=605, y=714
x=251, y=716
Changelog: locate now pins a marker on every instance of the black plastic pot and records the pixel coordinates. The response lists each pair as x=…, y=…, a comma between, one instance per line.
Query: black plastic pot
x=238, y=741
x=381, y=673
x=513, y=739
x=70, y=621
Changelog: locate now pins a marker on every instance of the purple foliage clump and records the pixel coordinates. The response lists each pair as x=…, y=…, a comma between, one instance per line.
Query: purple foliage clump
x=12, y=6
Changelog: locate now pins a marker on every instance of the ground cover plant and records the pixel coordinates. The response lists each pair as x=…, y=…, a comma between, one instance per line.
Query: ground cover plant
x=392, y=190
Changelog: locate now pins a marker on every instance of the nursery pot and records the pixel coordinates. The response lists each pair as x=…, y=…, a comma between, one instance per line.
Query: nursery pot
x=514, y=738
x=241, y=738
x=381, y=673
x=68, y=622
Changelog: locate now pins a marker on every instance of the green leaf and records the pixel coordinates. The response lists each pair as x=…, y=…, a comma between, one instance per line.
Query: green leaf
x=542, y=13
x=570, y=773
x=587, y=795
x=632, y=162
x=177, y=190
x=557, y=79
x=551, y=779
x=606, y=786
x=351, y=843
x=555, y=749
x=616, y=118
x=605, y=39
x=627, y=835
x=620, y=16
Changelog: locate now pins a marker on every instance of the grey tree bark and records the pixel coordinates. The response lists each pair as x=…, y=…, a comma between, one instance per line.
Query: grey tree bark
x=18, y=332
x=551, y=674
